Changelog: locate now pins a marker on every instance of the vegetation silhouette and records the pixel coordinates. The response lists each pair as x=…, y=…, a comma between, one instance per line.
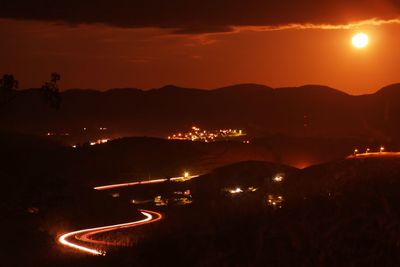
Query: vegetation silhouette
x=8, y=85
x=50, y=90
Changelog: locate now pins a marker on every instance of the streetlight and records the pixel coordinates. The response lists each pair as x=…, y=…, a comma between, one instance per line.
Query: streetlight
x=278, y=178
x=382, y=149
x=367, y=150
x=186, y=175
x=355, y=152
x=235, y=191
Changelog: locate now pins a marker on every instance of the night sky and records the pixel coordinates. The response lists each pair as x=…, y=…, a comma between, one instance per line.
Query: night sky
x=202, y=44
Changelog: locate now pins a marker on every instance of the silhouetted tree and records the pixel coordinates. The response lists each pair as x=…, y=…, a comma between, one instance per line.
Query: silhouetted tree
x=51, y=92
x=8, y=85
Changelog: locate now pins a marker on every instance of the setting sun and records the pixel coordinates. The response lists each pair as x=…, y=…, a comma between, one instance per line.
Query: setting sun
x=360, y=40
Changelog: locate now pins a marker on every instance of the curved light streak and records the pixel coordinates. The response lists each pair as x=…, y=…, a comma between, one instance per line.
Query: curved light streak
x=151, y=216
x=375, y=155
x=106, y=187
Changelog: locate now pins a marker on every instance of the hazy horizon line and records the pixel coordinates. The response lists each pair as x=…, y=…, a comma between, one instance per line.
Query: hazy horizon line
x=216, y=88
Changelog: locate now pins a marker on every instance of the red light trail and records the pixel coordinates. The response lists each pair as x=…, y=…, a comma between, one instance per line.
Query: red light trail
x=86, y=234
x=106, y=187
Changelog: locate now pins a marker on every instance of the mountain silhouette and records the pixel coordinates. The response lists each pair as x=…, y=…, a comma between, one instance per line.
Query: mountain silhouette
x=310, y=110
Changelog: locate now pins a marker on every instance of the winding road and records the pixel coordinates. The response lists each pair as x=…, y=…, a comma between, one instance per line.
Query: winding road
x=155, y=181
x=91, y=244
x=375, y=155
x=83, y=240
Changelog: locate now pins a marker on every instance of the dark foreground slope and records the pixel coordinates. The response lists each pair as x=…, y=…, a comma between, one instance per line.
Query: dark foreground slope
x=340, y=213
x=344, y=213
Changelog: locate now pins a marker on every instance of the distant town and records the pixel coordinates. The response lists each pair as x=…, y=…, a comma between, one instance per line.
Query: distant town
x=202, y=135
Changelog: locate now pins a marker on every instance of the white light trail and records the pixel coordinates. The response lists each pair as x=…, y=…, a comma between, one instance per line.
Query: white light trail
x=91, y=231
x=106, y=187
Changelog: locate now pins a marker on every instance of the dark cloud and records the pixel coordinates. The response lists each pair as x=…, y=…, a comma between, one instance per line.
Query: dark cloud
x=195, y=16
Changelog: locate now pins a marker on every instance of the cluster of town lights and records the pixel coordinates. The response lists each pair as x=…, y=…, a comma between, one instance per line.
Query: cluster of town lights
x=275, y=201
x=98, y=142
x=197, y=134
x=67, y=134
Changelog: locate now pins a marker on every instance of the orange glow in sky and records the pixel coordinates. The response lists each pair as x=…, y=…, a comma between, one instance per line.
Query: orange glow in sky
x=103, y=57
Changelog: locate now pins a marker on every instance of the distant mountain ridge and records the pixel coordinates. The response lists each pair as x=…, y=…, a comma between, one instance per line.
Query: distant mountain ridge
x=232, y=88
x=253, y=87
x=390, y=89
x=310, y=110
